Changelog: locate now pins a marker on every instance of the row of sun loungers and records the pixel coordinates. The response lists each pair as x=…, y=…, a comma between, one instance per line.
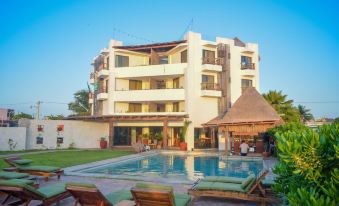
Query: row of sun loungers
x=22, y=186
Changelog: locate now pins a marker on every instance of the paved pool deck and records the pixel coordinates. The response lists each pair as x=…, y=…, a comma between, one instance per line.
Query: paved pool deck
x=108, y=185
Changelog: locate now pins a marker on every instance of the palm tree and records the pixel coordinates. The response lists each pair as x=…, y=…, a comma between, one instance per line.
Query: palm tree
x=305, y=113
x=283, y=106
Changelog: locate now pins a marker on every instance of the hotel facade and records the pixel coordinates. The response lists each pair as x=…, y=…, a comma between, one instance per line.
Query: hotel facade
x=147, y=91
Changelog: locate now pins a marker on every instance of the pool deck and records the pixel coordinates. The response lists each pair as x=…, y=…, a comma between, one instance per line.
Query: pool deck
x=108, y=185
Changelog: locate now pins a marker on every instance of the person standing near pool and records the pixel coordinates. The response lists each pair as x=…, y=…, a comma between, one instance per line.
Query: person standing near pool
x=243, y=148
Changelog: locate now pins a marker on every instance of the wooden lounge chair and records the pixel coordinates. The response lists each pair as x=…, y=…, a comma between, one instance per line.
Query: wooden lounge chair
x=90, y=195
x=249, y=188
x=25, y=181
x=24, y=165
x=26, y=193
x=155, y=195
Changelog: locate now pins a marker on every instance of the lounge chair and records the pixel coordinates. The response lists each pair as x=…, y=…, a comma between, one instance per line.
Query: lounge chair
x=12, y=175
x=90, y=195
x=25, y=181
x=24, y=165
x=155, y=195
x=249, y=188
x=26, y=193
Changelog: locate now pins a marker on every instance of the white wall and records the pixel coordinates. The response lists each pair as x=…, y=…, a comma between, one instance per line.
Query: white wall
x=17, y=134
x=83, y=134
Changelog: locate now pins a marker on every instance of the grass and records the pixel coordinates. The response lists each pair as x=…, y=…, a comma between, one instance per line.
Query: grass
x=69, y=158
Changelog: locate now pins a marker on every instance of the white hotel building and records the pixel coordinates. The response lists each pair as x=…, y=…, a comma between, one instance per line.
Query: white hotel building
x=151, y=89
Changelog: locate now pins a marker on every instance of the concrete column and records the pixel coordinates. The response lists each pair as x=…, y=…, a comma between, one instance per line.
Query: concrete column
x=164, y=134
x=111, y=133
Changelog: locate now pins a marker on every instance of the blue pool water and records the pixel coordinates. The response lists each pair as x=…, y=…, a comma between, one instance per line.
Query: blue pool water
x=179, y=167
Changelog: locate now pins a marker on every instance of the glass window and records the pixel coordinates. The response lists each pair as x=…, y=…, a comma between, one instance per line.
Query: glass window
x=163, y=60
x=246, y=83
x=135, y=85
x=207, y=78
x=184, y=56
x=134, y=107
x=208, y=56
x=121, y=61
x=176, y=83
x=161, y=107
x=160, y=84
x=245, y=60
x=175, y=106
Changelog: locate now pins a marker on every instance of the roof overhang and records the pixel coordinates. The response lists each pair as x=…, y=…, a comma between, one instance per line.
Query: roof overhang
x=107, y=118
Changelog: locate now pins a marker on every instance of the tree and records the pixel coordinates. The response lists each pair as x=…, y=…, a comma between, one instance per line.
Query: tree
x=55, y=117
x=304, y=113
x=21, y=115
x=336, y=120
x=80, y=106
x=283, y=106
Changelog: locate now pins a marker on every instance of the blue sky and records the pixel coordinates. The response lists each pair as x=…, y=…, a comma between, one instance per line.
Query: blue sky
x=46, y=46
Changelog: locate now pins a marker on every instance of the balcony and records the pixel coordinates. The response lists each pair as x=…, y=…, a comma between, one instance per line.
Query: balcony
x=150, y=70
x=247, y=66
x=210, y=90
x=149, y=95
x=212, y=64
x=102, y=94
x=91, y=78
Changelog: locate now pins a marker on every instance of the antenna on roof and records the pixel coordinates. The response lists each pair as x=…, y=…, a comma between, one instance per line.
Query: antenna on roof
x=188, y=28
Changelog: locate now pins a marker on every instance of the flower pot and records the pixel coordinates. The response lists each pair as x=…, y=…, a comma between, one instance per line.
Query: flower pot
x=103, y=144
x=183, y=146
x=265, y=154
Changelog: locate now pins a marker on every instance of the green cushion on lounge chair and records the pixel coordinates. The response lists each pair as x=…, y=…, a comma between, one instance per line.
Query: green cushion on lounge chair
x=40, y=168
x=52, y=190
x=220, y=186
x=154, y=186
x=247, y=181
x=22, y=161
x=181, y=199
x=25, y=181
x=79, y=184
x=225, y=179
x=15, y=183
x=119, y=196
x=249, y=186
x=12, y=175
x=267, y=182
x=204, y=185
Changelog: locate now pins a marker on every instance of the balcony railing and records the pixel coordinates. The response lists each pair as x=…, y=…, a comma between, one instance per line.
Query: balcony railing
x=149, y=88
x=91, y=95
x=92, y=75
x=247, y=66
x=101, y=67
x=102, y=90
x=210, y=86
x=211, y=60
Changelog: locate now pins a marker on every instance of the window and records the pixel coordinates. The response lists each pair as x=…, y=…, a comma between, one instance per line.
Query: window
x=39, y=140
x=175, y=106
x=106, y=85
x=184, y=56
x=245, y=83
x=60, y=140
x=163, y=60
x=160, y=84
x=245, y=60
x=135, y=85
x=207, y=82
x=107, y=62
x=161, y=107
x=134, y=107
x=121, y=61
x=176, y=83
x=208, y=56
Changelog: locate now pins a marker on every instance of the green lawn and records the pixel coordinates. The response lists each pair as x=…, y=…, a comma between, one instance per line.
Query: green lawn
x=69, y=158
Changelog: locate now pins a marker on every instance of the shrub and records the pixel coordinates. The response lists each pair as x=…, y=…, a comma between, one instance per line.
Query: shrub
x=307, y=172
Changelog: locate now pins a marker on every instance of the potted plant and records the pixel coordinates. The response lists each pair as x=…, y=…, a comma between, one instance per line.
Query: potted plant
x=183, y=143
x=103, y=143
x=158, y=137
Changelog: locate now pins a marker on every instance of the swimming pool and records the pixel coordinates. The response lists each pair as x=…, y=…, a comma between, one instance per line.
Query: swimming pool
x=178, y=168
